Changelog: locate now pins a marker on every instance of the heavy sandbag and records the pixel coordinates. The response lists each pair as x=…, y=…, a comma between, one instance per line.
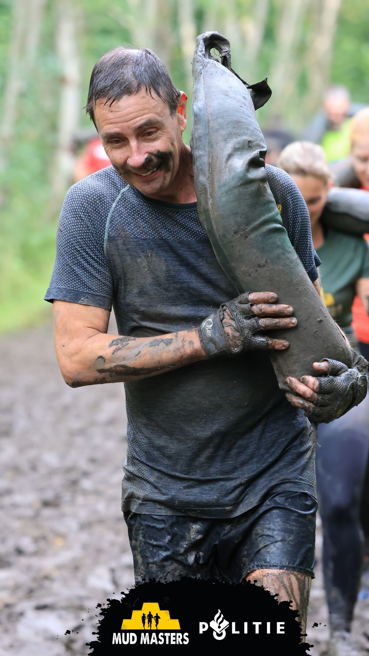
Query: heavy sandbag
x=239, y=213
x=347, y=210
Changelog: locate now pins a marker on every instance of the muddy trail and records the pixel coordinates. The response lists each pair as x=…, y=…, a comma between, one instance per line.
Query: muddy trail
x=63, y=542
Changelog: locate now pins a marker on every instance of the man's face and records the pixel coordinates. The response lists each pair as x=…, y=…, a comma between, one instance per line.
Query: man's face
x=337, y=110
x=143, y=140
x=360, y=160
x=315, y=193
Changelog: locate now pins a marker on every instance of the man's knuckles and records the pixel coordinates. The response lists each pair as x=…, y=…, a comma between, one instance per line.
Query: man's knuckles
x=264, y=310
x=311, y=382
x=263, y=297
x=299, y=403
x=270, y=323
x=277, y=344
x=301, y=389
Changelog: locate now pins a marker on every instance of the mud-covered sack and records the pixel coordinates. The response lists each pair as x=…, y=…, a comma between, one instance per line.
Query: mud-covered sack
x=347, y=210
x=239, y=213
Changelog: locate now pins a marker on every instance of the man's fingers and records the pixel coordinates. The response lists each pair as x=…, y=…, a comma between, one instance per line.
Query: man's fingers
x=277, y=344
x=263, y=297
x=265, y=310
x=277, y=324
x=300, y=403
x=322, y=367
x=301, y=389
x=311, y=382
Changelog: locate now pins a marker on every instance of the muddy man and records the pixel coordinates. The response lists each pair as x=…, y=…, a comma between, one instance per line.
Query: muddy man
x=219, y=479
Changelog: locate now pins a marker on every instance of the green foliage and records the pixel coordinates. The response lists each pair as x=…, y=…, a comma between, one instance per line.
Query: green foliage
x=27, y=229
x=351, y=53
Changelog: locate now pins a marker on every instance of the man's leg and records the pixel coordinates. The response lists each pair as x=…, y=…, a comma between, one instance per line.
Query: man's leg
x=273, y=545
x=288, y=585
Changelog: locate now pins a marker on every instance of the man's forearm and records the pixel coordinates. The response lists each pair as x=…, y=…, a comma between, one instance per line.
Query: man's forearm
x=87, y=355
x=109, y=359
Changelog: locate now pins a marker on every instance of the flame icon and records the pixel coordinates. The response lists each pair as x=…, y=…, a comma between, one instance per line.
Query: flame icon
x=219, y=626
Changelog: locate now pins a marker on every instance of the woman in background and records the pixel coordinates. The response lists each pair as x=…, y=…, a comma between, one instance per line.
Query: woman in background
x=343, y=445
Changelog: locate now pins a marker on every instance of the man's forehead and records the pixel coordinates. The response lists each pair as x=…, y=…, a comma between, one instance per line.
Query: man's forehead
x=128, y=105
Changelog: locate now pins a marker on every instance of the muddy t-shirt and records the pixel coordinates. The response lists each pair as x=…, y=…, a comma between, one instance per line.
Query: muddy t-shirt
x=212, y=438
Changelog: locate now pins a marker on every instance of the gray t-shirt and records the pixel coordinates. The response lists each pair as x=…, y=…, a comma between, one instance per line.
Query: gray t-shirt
x=211, y=439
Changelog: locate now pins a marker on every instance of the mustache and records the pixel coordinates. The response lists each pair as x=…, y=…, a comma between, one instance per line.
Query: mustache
x=156, y=160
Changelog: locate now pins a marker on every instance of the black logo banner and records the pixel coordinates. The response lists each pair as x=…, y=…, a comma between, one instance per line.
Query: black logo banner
x=192, y=613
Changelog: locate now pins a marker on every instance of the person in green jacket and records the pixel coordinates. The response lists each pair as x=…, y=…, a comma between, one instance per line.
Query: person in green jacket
x=343, y=445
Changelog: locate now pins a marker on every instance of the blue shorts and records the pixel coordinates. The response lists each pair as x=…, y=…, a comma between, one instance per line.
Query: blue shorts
x=277, y=534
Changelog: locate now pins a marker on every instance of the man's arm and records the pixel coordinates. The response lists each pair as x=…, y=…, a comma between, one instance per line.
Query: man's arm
x=88, y=356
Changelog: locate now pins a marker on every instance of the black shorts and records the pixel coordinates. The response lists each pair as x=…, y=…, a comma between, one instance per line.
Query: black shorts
x=277, y=534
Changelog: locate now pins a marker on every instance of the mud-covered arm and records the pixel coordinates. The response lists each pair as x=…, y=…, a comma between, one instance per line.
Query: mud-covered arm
x=88, y=356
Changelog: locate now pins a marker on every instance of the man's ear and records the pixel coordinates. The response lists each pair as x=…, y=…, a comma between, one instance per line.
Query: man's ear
x=330, y=183
x=182, y=109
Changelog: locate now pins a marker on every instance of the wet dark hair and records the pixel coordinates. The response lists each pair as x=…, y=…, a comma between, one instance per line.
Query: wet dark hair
x=123, y=72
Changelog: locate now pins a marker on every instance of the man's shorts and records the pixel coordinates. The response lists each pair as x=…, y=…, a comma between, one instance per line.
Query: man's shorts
x=277, y=534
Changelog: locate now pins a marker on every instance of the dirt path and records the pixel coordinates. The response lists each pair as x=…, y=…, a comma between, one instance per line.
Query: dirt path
x=64, y=545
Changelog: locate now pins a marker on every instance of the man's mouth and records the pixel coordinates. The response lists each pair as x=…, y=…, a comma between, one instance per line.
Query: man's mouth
x=144, y=175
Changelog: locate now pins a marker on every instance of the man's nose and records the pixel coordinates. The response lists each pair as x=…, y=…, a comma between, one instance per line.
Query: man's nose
x=137, y=156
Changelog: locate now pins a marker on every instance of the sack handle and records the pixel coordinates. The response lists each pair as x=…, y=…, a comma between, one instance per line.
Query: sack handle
x=260, y=92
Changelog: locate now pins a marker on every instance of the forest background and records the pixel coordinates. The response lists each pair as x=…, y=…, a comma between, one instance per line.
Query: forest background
x=48, y=49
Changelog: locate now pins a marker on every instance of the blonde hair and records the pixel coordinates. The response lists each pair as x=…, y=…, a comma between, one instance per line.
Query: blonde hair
x=360, y=125
x=305, y=158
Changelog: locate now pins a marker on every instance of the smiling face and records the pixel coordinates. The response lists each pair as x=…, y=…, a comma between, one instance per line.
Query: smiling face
x=143, y=141
x=315, y=191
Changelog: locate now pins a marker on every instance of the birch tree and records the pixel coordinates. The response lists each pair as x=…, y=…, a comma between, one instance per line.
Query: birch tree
x=26, y=21
x=70, y=97
x=187, y=30
x=284, y=72
x=253, y=28
x=319, y=56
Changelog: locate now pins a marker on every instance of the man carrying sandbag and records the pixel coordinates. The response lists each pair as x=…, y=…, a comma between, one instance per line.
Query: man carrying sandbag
x=219, y=473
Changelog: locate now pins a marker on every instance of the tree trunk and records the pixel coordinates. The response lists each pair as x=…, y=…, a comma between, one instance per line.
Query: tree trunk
x=231, y=29
x=70, y=101
x=27, y=18
x=284, y=73
x=162, y=32
x=187, y=30
x=142, y=32
x=34, y=22
x=319, y=57
x=253, y=30
x=154, y=31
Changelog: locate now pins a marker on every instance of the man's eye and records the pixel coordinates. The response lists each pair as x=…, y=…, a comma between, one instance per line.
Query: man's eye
x=150, y=133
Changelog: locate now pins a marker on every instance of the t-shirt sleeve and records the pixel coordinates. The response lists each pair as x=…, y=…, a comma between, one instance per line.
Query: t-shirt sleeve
x=295, y=217
x=81, y=273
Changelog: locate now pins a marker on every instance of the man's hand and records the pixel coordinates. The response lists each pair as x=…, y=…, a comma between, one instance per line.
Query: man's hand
x=329, y=397
x=237, y=325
